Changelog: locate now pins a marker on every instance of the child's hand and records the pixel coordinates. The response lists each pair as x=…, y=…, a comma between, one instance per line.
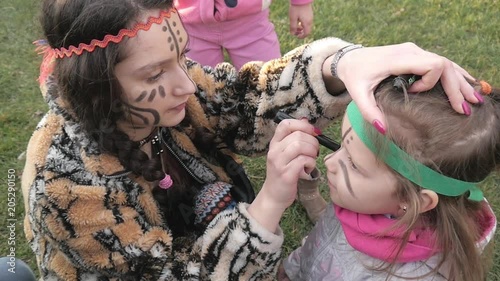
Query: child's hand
x=301, y=20
x=292, y=155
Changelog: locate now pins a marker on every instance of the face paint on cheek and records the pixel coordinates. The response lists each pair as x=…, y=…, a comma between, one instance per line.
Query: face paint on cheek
x=142, y=113
x=161, y=90
x=152, y=95
x=346, y=177
x=144, y=94
x=141, y=96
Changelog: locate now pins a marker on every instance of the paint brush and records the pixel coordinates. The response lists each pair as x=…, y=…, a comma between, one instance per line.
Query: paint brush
x=323, y=140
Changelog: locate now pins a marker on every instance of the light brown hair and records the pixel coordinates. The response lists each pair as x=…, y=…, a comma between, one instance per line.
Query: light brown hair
x=458, y=146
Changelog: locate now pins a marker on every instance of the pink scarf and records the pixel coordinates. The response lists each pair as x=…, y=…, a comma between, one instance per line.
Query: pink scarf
x=365, y=233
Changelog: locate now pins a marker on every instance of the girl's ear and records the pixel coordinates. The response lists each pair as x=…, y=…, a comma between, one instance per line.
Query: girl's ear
x=429, y=200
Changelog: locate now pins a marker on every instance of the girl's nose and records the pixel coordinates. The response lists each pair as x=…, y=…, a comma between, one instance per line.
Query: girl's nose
x=184, y=84
x=330, y=161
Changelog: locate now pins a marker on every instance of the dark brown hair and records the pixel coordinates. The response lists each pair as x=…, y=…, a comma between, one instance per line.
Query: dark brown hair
x=88, y=84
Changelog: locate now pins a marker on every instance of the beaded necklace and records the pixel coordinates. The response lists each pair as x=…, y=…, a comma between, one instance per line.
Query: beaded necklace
x=157, y=149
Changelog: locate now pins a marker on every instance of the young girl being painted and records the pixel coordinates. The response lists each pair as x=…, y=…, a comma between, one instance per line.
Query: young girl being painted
x=406, y=204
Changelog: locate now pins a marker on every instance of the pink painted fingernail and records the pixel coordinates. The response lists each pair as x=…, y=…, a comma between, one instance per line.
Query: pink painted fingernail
x=317, y=131
x=479, y=97
x=466, y=108
x=378, y=125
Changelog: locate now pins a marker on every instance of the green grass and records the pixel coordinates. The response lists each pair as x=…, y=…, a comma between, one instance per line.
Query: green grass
x=468, y=32
x=21, y=106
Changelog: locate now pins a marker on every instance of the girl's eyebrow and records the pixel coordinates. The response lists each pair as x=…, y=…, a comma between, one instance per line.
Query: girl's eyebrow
x=151, y=66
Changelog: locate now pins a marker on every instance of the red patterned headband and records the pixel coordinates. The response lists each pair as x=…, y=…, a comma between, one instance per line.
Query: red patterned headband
x=50, y=54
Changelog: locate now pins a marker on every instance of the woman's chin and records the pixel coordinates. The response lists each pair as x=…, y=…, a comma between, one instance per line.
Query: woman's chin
x=170, y=120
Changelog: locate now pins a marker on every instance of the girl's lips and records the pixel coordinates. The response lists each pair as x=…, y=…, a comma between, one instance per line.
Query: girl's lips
x=180, y=107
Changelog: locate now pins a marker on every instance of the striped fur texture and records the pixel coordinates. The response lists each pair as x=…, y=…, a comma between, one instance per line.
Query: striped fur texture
x=89, y=219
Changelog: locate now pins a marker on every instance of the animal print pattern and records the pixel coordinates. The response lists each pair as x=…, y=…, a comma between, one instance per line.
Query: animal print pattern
x=89, y=219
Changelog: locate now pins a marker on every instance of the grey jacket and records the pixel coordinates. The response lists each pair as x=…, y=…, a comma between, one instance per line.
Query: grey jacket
x=326, y=255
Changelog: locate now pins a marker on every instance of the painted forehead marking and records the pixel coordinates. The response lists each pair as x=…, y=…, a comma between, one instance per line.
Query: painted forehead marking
x=347, y=140
x=346, y=133
x=174, y=30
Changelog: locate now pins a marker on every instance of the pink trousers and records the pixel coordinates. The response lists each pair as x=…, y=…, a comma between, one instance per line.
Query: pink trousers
x=246, y=39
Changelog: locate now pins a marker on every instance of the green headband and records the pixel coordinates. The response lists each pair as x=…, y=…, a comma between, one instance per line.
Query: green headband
x=410, y=168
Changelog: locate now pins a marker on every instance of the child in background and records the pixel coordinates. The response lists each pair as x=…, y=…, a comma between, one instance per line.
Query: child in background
x=242, y=28
x=406, y=205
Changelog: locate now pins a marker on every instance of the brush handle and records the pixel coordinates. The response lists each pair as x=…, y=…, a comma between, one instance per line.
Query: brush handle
x=323, y=140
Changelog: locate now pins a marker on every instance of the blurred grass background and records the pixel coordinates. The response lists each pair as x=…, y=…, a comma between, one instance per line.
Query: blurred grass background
x=468, y=32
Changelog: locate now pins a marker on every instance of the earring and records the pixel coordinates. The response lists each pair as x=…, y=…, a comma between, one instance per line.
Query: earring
x=404, y=209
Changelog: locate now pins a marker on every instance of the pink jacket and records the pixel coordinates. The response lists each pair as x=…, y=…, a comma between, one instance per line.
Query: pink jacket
x=211, y=11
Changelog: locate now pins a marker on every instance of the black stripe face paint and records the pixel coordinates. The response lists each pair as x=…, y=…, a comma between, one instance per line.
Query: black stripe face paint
x=345, y=171
x=152, y=97
x=346, y=177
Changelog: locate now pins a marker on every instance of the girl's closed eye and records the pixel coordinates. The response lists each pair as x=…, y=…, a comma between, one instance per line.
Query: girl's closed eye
x=353, y=166
x=155, y=77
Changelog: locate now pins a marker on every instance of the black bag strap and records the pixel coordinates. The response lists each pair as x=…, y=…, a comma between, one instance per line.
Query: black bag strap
x=242, y=190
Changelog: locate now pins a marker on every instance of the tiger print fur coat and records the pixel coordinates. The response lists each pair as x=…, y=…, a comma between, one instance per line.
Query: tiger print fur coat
x=88, y=219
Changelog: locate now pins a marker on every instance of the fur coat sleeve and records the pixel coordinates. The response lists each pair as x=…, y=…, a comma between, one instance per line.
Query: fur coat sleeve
x=241, y=105
x=88, y=220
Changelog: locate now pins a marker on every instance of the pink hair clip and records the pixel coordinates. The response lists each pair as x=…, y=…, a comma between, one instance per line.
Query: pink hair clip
x=166, y=182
